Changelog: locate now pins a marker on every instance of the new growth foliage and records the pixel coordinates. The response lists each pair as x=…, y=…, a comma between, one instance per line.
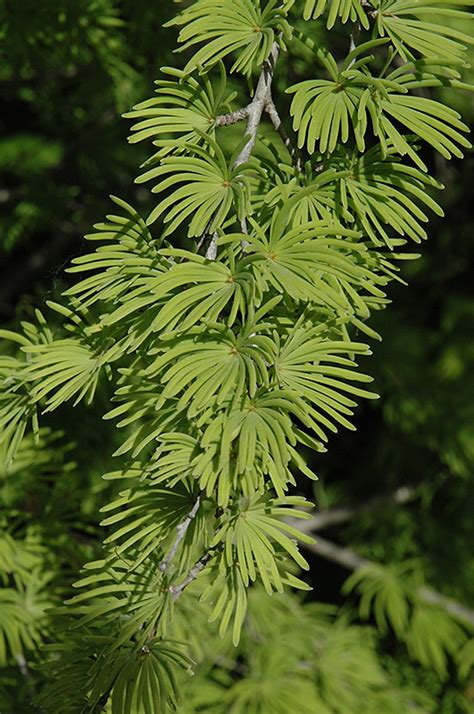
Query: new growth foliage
x=230, y=323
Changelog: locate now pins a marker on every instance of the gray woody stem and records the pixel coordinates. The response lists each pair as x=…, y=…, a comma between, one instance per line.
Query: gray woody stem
x=182, y=529
x=257, y=105
x=177, y=590
x=232, y=117
x=272, y=112
x=350, y=560
x=335, y=516
x=211, y=251
x=253, y=113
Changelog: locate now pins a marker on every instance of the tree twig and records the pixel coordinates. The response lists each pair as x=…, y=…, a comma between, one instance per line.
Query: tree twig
x=368, y=8
x=350, y=560
x=455, y=608
x=182, y=529
x=233, y=117
x=257, y=105
x=22, y=665
x=177, y=590
x=253, y=113
x=211, y=251
x=24, y=669
x=353, y=43
x=272, y=112
x=335, y=516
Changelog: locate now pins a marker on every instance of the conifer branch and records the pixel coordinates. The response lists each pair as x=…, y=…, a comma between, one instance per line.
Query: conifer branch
x=211, y=251
x=335, y=516
x=455, y=608
x=253, y=112
x=350, y=560
x=177, y=590
x=233, y=117
x=182, y=530
x=275, y=118
x=205, y=390
x=258, y=103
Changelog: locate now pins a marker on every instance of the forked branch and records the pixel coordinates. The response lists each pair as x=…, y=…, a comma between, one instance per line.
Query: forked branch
x=253, y=113
x=258, y=103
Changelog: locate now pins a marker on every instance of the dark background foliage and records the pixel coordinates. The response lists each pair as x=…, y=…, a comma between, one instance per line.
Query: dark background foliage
x=67, y=72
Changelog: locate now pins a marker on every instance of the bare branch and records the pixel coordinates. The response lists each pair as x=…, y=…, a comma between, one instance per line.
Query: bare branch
x=24, y=669
x=243, y=226
x=272, y=112
x=211, y=251
x=177, y=590
x=233, y=117
x=456, y=609
x=182, y=529
x=354, y=37
x=350, y=560
x=257, y=105
x=253, y=113
x=22, y=665
x=334, y=516
x=369, y=9
x=331, y=551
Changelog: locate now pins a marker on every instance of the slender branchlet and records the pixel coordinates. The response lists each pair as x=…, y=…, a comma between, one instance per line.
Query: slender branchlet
x=182, y=530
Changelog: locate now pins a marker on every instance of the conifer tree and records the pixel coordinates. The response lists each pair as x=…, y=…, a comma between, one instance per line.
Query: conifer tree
x=228, y=325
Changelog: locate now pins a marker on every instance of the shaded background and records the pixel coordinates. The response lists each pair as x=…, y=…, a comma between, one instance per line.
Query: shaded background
x=67, y=72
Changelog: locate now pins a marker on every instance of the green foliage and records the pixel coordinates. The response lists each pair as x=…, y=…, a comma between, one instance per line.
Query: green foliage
x=203, y=185
x=24, y=598
x=29, y=154
x=433, y=637
x=224, y=331
x=391, y=595
x=225, y=27
x=359, y=196
x=385, y=590
x=193, y=104
x=344, y=9
x=324, y=110
x=412, y=32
